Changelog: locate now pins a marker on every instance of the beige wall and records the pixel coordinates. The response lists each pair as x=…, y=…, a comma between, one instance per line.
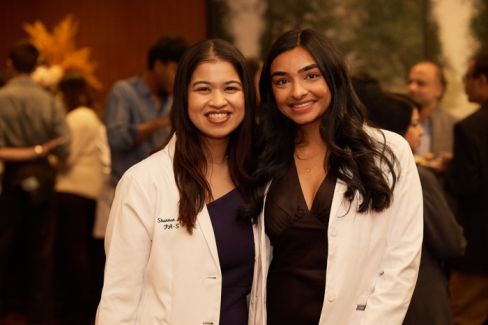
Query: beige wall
x=453, y=17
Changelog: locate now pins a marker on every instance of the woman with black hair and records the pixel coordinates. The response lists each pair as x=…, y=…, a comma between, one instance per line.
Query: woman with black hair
x=343, y=203
x=443, y=236
x=177, y=250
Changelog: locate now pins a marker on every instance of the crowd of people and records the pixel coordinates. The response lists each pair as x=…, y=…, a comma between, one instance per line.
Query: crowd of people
x=216, y=189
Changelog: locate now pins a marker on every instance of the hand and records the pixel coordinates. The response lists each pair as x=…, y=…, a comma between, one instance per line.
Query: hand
x=437, y=162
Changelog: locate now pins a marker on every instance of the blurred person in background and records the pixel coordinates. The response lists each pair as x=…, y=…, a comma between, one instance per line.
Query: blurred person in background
x=29, y=117
x=137, y=109
x=443, y=236
x=78, y=184
x=426, y=87
x=467, y=183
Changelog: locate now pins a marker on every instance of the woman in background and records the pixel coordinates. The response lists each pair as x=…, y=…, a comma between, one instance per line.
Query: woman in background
x=443, y=236
x=177, y=251
x=78, y=185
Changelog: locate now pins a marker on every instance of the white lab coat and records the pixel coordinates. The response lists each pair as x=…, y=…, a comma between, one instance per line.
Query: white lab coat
x=373, y=258
x=156, y=272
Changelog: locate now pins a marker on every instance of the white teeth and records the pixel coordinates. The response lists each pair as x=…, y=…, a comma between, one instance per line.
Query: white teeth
x=217, y=117
x=300, y=105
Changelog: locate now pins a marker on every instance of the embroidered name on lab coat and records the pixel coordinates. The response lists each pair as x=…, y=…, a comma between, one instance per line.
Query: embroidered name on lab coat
x=168, y=223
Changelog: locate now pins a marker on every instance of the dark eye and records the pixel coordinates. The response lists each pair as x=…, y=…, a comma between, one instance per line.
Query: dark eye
x=202, y=89
x=280, y=82
x=232, y=89
x=312, y=75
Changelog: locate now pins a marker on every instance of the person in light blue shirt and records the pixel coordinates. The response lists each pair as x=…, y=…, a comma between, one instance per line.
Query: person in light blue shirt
x=137, y=111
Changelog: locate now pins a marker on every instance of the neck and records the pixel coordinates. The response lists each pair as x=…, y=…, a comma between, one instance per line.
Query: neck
x=427, y=110
x=310, y=133
x=311, y=143
x=216, y=151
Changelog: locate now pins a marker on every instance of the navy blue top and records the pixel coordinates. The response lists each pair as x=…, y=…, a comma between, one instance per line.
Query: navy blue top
x=235, y=245
x=296, y=277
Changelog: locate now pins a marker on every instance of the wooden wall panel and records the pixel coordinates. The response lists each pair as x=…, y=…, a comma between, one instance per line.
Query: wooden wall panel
x=118, y=32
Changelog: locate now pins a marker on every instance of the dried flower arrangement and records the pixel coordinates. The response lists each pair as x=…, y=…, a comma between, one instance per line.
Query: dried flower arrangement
x=59, y=53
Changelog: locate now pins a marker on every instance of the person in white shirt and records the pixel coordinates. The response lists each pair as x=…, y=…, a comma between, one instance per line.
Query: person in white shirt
x=78, y=184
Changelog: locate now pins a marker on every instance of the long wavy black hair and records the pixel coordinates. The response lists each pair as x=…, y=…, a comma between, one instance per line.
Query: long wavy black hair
x=190, y=162
x=353, y=156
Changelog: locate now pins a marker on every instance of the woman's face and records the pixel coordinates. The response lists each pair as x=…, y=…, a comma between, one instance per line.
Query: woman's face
x=216, y=99
x=299, y=88
x=414, y=131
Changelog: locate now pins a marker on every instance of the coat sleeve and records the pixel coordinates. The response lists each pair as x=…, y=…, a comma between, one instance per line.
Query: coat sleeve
x=399, y=266
x=127, y=247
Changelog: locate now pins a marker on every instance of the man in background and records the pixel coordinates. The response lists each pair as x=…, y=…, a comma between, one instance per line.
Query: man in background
x=137, y=120
x=29, y=117
x=426, y=87
x=467, y=182
x=137, y=111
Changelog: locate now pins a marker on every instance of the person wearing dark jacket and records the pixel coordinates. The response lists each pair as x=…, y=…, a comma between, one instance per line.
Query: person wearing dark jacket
x=443, y=236
x=467, y=182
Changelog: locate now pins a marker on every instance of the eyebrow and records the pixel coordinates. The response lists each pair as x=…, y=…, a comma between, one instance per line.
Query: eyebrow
x=307, y=68
x=196, y=83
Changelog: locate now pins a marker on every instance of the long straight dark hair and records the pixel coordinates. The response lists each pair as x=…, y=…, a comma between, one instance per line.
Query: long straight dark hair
x=353, y=156
x=189, y=162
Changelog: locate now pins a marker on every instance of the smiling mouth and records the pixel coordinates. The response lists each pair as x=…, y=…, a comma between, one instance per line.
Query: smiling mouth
x=300, y=107
x=219, y=117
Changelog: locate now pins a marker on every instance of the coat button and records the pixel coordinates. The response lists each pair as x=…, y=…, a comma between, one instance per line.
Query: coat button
x=331, y=296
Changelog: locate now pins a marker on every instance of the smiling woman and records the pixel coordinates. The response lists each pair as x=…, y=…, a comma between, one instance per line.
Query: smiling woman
x=178, y=249
x=345, y=226
x=216, y=99
x=300, y=91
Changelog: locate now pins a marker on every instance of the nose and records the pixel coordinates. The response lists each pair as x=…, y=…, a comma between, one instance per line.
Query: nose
x=411, y=87
x=218, y=99
x=298, y=90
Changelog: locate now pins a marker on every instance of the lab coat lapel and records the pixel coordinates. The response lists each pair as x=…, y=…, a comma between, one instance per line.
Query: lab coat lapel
x=205, y=225
x=340, y=205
